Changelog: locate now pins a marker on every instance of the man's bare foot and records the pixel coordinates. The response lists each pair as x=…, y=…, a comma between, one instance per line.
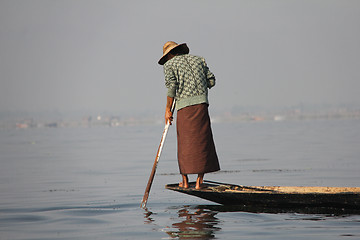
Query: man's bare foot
x=199, y=186
x=185, y=182
x=182, y=185
x=199, y=181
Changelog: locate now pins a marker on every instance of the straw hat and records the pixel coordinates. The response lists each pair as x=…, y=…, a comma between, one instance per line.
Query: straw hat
x=170, y=45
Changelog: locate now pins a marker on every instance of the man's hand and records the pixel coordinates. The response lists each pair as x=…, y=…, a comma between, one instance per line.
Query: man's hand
x=168, y=116
x=168, y=113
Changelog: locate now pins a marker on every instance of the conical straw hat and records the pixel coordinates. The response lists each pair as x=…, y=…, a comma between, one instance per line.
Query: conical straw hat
x=170, y=45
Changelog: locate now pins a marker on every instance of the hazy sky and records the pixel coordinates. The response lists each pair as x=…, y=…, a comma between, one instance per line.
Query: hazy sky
x=102, y=55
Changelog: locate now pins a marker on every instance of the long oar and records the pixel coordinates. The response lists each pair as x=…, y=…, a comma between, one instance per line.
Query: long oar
x=152, y=174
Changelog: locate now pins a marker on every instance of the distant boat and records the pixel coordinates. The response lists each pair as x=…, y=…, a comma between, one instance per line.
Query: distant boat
x=275, y=197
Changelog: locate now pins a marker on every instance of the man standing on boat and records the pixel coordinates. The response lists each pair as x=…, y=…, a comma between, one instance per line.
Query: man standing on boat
x=187, y=79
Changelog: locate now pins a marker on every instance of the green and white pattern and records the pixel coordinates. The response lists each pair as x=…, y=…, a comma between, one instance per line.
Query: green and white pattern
x=188, y=78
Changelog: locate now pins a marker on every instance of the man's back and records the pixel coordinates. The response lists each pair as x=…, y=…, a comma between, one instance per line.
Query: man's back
x=188, y=78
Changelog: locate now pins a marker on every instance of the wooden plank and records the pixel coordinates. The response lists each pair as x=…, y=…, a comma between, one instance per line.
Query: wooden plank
x=272, y=196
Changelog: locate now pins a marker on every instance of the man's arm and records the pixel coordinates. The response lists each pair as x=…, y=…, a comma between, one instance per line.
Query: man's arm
x=168, y=113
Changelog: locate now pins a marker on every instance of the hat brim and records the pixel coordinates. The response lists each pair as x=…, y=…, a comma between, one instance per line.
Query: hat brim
x=183, y=47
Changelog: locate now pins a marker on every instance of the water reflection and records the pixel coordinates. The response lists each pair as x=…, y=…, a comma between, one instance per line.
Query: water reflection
x=194, y=224
x=148, y=217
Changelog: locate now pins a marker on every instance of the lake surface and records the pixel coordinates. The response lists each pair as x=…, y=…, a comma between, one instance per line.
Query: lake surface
x=87, y=183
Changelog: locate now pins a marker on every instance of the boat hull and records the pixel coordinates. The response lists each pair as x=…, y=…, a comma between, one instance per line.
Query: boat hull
x=273, y=197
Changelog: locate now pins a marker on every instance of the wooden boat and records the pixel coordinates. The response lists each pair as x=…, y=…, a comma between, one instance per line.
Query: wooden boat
x=275, y=197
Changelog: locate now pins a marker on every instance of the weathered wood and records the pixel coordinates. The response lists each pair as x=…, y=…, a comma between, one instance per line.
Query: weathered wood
x=229, y=194
x=157, y=158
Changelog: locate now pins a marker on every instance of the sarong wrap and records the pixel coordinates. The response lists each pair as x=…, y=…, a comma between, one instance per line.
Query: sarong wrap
x=196, y=148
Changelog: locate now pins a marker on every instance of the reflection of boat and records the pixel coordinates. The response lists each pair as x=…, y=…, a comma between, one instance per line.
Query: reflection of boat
x=344, y=198
x=194, y=223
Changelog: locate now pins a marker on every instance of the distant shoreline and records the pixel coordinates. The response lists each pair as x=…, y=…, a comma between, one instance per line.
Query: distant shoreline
x=110, y=120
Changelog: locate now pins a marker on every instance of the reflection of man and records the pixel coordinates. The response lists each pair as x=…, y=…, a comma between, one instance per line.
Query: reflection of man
x=197, y=225
x=188, y=78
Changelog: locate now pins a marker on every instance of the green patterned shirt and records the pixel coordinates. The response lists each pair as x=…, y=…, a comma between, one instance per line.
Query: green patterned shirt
x=188, y=78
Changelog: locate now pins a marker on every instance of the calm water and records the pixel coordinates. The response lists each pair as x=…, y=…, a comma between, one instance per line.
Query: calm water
x=87, y=183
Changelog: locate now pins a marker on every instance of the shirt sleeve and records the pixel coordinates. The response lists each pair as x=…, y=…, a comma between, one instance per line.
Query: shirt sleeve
x=210, y=77
x=170, y=80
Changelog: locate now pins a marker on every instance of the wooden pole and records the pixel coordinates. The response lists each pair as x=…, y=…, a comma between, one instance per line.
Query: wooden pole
x=152, y=174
